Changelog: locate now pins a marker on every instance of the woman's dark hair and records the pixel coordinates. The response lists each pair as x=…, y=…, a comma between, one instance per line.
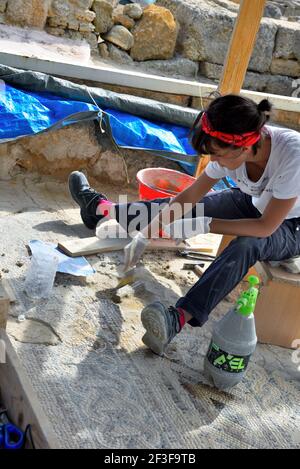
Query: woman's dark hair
x=230, y=114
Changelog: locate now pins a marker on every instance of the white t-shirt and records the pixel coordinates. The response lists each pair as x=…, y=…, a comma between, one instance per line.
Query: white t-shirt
x=281, y=177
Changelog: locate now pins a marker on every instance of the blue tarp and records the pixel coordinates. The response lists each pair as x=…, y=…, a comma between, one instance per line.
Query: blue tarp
x=168, y=140
x=25, y=113
x=130, y=131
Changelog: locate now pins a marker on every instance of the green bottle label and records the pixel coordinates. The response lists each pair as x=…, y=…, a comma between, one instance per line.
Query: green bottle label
x=225, y=361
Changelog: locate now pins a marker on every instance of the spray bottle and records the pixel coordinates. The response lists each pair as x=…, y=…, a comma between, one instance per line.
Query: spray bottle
x=233, y=341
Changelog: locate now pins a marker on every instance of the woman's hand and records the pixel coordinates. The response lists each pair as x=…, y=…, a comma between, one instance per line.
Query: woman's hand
x=184, y=202
x=178, y=230
x=186, y=228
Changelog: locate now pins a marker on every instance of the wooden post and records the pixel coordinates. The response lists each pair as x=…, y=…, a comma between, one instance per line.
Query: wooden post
x=241, y=46
x=203, y=162
x=20, y=400
x=240, y=51
x=276, y=313
x=4, y=307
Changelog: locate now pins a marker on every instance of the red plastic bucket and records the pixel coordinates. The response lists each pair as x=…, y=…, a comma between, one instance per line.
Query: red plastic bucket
x=157, y=183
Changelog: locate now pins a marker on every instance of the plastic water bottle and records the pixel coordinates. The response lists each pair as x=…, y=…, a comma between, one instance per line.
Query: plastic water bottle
x=233, y=341
x=41, y=274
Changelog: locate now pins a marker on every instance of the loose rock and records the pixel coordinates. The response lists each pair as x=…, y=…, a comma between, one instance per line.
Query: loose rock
x=32, y=13
x=118, y=55
x=124, y=20
x=272, y=11
x=103, y=21
x=3, y=5
x=154, y=35
x=103, y=50
x=121, y=37
x=134, y=10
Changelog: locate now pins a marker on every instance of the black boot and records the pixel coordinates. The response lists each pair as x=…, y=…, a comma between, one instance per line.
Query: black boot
x=86, y=197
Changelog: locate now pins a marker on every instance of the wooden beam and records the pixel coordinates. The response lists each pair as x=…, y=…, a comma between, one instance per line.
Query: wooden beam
x=4, y=306
x=6, y=285
x=241, y=45
x=239, y=52
x=94, y=245
x=203, y=162
x=276, y=313
x=20, y=400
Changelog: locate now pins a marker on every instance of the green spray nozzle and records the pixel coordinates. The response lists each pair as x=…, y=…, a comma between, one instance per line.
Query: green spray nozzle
x=247, y=300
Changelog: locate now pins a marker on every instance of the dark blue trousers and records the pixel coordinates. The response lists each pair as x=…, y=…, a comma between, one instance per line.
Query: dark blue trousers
x=242, y=253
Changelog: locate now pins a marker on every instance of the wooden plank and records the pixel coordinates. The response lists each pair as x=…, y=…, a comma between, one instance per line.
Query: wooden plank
x=277, y=314
x=9, y=291
x=226, y=240
x=241, y=45
x=277, y=311
x=94, y=245
x=4, y=306
x=203, y=162
x=89, y=246
x=19, y=398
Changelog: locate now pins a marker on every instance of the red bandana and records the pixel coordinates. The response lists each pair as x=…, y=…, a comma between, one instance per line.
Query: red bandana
x=247, y=139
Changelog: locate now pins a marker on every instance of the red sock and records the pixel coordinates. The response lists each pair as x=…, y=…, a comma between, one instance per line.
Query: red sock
x=181, y=317
x=103, y=207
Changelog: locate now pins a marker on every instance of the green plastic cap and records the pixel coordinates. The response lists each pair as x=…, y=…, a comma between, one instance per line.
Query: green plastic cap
x=247, y=300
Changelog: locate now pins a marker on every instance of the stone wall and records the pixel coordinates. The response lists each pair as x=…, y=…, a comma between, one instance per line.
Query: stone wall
x=76, y=147
x=204, y=35
x=32, y=13
x=178, y=38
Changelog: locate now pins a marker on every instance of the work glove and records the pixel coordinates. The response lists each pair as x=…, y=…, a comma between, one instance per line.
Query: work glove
x=134, y=250
x=178, y=230
x=186, y=228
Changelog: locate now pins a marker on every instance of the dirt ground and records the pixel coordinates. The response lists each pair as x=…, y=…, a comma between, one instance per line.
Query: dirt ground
x=82, y=349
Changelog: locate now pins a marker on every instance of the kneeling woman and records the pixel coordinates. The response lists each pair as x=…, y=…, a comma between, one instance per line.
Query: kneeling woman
x=263, y=212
